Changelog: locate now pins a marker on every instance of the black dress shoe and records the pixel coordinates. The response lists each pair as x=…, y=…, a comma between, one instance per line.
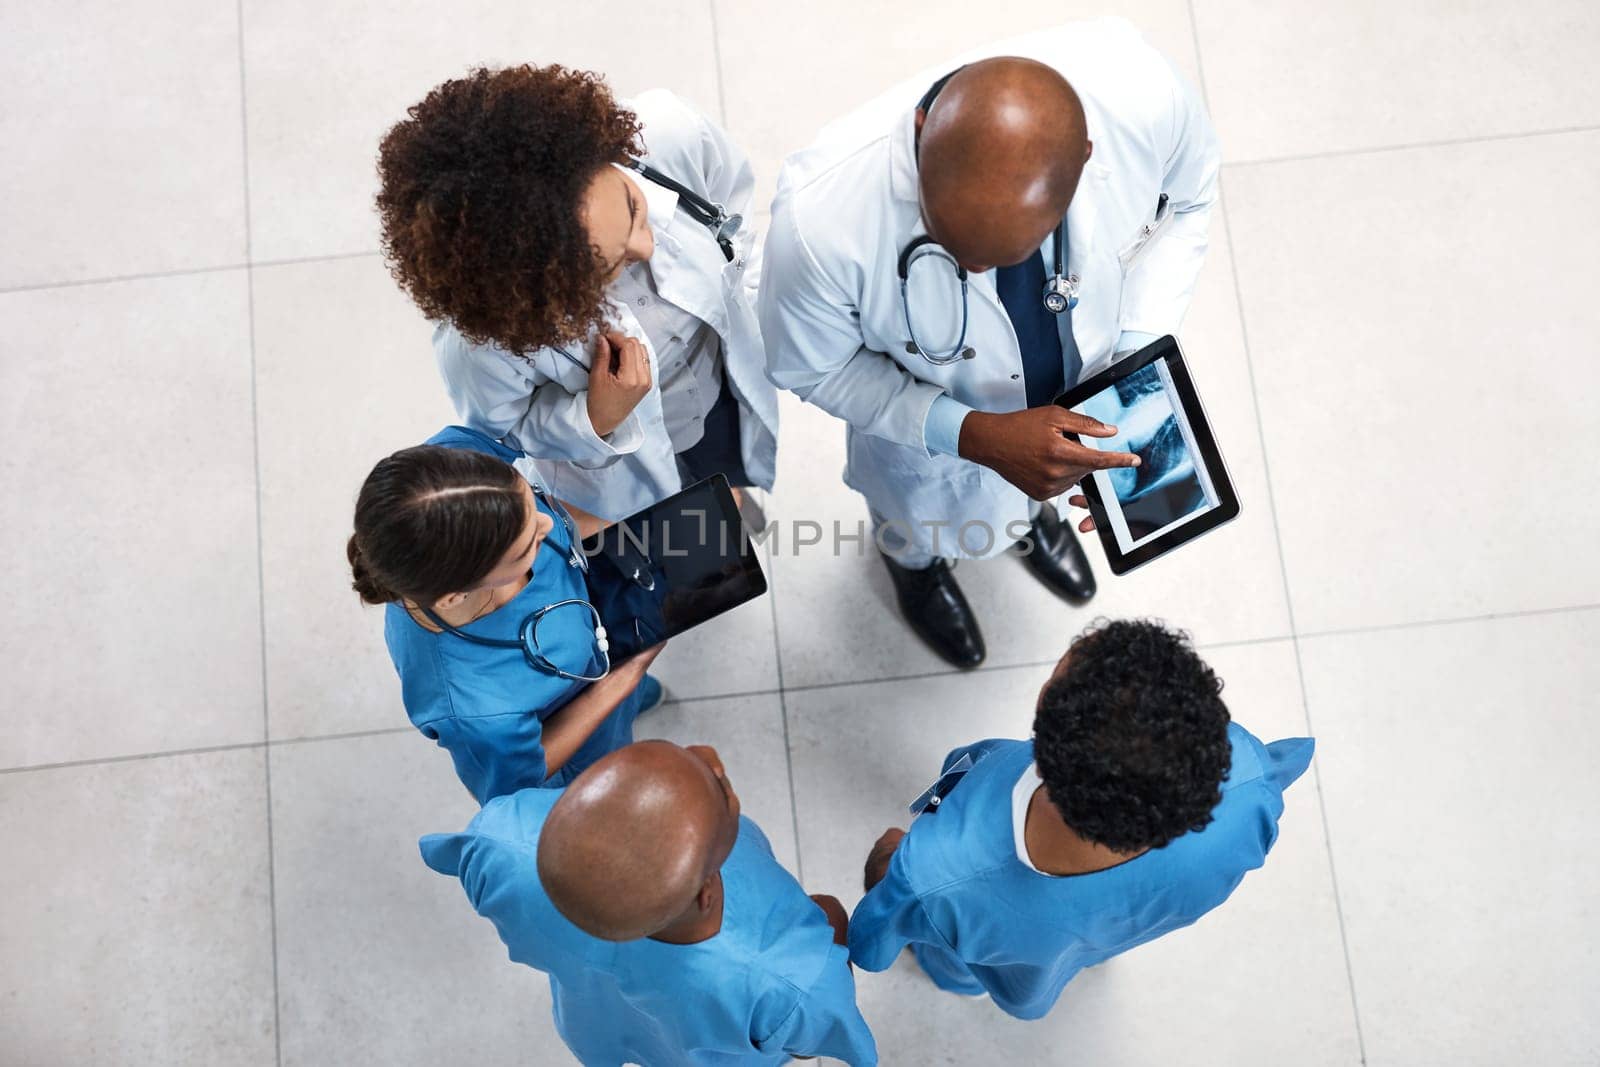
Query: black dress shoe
x=1057, y=559
x=937, y=610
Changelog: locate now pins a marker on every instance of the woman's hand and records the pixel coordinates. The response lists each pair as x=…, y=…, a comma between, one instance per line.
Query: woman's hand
x=630, y=672
x=619, y=377
x=566, y=731
x=588, y=525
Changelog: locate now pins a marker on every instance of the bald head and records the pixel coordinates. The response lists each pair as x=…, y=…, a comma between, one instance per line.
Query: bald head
x=635, y=839
x=999, y=155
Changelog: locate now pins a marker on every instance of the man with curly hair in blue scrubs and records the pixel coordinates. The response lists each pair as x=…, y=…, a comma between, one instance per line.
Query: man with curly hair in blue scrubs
x=1136, y=808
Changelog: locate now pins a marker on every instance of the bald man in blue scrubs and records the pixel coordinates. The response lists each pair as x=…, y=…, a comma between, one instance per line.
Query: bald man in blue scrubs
x=1136, y=808
x=670, y=933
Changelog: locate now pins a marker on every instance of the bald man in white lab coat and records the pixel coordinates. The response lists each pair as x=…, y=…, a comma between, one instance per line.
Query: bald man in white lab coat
x=1083, y=132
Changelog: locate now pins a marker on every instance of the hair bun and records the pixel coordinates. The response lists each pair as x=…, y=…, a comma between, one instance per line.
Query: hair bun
x=366, y=586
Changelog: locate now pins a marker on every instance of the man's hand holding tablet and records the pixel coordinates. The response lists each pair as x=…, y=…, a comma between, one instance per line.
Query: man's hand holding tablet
x=1030, y=449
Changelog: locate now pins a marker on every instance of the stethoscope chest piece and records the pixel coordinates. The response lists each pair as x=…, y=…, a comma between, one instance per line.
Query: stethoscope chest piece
x=1060, y=294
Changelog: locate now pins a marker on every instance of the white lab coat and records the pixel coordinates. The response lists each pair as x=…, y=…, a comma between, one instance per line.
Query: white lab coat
x=539, y=403
x=830, y=301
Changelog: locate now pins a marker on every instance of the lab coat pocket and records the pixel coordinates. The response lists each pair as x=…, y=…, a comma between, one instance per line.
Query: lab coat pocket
x=1147, y=236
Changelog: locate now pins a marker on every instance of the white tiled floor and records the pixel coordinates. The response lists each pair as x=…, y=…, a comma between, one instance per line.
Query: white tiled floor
x=208, y=798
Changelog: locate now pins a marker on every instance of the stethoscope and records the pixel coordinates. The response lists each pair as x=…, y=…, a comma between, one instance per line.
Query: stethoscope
x=712, y=216
x=528, y=633
x=528, y=641
x=1060, y=293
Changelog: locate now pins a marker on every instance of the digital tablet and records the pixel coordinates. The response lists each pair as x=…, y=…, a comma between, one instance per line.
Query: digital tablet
x=1181, y=488
x=671, y=567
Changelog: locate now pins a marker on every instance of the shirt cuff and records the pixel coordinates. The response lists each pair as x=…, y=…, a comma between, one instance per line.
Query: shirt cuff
x=941, y=429
x=1133, y=340
x=604, y=451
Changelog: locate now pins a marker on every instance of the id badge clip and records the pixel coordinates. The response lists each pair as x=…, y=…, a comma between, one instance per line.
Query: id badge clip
x=934, y=795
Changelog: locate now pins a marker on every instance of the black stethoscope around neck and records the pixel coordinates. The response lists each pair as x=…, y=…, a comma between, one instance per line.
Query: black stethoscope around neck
x=712, y=216
x=528, y=640
x=528, y=631
x=1059, y=296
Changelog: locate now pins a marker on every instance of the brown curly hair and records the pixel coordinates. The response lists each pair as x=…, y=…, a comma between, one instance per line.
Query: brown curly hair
x=480, y=192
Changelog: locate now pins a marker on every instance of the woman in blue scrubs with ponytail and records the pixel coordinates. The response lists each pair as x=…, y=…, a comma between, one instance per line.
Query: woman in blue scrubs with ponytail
x=502, y=659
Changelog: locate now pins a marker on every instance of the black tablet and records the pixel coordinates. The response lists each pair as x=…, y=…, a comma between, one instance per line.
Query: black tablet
x=671, y=567
x=1180, y=489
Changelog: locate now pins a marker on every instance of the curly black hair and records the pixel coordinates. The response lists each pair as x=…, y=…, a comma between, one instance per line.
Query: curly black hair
x=1131, y=739
x=480, y=192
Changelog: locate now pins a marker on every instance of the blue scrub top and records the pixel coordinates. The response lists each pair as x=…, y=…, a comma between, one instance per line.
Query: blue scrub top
x=980, y=920
x=769, y=985
x=486, y=705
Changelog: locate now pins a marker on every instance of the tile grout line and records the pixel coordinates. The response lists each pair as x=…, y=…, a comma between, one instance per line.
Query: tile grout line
x=261, y=572
x=380, y=731
x=1283, y=566
x=132, y=757
x=237, y=746
x=783, y=712
x=1423, y=624
x=1294, y=638
x=707, y=698
x=704, y=698
x=113, y=279
x=722, y=107
x=184, y=272
x=327, y=257
x=290, y=261
x=987, y=668
x=1447, y=142
x=716, y=55
x=346, y=735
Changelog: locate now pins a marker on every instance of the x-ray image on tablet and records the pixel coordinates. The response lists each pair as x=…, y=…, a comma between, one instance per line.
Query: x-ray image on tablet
x=1180, y=488
x=1166, y=487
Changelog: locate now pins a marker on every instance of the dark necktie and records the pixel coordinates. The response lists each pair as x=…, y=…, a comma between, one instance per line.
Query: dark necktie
x=1044, y=365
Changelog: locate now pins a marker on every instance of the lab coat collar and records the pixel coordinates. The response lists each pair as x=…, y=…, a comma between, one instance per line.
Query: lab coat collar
x=903, y=159
x=1083, y=213
x=677, y=281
